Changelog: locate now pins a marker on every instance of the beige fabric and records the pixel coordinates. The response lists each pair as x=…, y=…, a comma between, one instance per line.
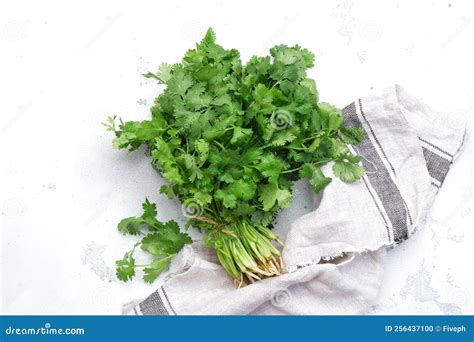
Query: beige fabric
x=334, y=255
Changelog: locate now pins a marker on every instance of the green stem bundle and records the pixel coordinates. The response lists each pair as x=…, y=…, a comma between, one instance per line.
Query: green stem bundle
x=247, y=253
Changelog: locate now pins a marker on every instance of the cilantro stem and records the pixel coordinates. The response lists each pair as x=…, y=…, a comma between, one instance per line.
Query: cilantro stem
x=162, y=259
x=293, y=170
x=322, y=161
x=296, y=148
x=219, y=144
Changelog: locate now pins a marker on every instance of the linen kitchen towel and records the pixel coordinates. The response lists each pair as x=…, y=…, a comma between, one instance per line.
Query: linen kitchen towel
x=334, y=255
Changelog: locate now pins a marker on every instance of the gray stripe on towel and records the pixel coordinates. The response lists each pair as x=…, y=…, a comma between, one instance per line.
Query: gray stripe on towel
x=167, y=299
x=438, y=166
x=380, y=181
x=153, y=305
x=436, y=147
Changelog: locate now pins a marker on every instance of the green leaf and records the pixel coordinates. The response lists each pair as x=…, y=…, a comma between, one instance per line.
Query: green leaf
x=135, y=225
x=283, y=197
x=149, y=209
x=162, y=154
x=164, y=241
x=338, y=148
x=318, y=180
x=228, y=199
x=243, y=189
x=315, y=176
x=163, y=75
x=167, y=240
x=270, y=167
x=282, y=137
x=346, y=171
x=332, y=116
x=167, y=190
x=130, y=225
x=268, y=195
x=241, y=135
x=202, y=148
x=155, y=269
x=352, y=136
x=125, y=267
x=133, y=134
x=314, y=145
x=179, y=83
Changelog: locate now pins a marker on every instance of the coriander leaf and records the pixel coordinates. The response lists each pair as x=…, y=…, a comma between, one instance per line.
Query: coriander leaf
x=228, y=199
x=173, y=238
x=153, y=244
x=149, y=209
x=318, y=180
x=346, y=171
x=202, y=148
x=163, y=75
x=352, y=136
x=314, y=145
x=282, y=137
x=155, y=269
x=268, y=195
x=167, y=190
x=241, y=135
x=283, y=197
x=337, y=148
x=270, y=167
x=125, y=267
x=167, y=240
x=315, y=176
x=134, y=225
x=331, y=116
x=179, y=83
x=130, y=225
x=243, y=189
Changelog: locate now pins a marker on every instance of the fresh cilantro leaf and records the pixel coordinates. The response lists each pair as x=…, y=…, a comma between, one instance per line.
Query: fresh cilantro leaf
x=163, y=241
x=352, y=136
x=149, y=209
x=331, y=116
x=283, y=197
x=318, y=180
x=130, y=225
x=241, y=135
x=315, y=176
x=155, y=269
x=270, y=167
x=202, y=148
x=167, y=240
x=126, y=267
x=135, y=225
x=167, y=190
x=268, y=195
x=347, y=171
x=228, y=199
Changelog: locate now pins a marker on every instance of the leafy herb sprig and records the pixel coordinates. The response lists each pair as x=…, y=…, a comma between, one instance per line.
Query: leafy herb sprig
x=230, y=139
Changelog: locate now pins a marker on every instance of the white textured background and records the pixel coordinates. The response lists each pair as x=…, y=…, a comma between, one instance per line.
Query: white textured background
x=66, y=66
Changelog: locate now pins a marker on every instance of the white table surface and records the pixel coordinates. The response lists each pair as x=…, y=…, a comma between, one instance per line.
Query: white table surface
x=64, y=67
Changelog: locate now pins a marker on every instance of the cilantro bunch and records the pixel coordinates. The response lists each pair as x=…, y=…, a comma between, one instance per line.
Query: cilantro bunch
x=230, y=139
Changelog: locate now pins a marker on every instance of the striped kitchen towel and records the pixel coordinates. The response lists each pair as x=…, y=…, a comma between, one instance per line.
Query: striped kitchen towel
x=334, y=255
